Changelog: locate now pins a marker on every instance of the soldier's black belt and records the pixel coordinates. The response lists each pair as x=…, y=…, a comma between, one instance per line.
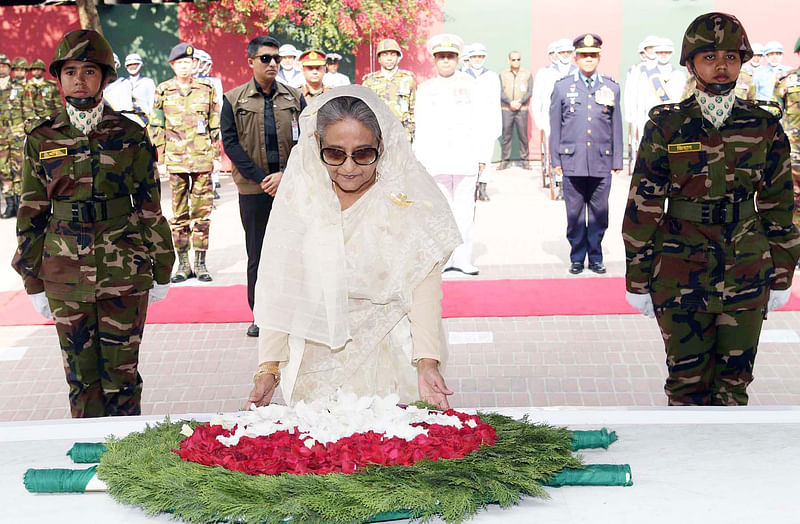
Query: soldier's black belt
x=92, y=210
x=710, y=212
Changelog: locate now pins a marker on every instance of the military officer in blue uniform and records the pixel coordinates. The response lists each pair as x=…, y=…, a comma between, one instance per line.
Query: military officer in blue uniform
x=586, y=147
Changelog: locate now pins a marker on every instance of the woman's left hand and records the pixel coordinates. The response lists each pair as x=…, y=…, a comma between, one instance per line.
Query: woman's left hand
x=432, y=388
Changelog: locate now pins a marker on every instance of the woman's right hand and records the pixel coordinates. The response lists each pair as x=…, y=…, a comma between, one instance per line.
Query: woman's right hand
x=264, y=387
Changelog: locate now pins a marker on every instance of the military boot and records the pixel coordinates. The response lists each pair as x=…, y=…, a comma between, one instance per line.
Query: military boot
x=482, y=196
x=184, y=271
x=11, y=208
x=200, y=267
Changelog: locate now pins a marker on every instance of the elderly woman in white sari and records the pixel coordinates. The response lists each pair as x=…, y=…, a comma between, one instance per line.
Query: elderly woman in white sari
x=349, y=287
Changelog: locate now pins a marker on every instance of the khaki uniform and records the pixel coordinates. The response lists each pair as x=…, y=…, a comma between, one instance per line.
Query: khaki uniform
x=787, y=94
x=184, y=127
x=12, y=134
x=42, y=99
x=91, y=235
x=399, y=91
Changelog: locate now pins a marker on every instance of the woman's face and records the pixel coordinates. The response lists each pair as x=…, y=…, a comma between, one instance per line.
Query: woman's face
x=717, y=67
x=349, y=136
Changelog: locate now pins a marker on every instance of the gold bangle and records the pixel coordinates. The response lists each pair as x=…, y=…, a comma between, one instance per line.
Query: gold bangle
x=268, y=369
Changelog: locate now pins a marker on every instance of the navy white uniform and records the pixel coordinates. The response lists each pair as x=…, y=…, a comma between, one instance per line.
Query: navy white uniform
x=586, y=142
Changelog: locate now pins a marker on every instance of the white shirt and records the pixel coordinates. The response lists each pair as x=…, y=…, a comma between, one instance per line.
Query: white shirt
x=446, y=139
x=487, y=117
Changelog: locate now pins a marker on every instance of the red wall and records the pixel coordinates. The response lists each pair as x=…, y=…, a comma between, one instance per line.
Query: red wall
x=34, y=31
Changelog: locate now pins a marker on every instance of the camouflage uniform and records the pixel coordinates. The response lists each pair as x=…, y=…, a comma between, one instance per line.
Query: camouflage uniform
x=787, y=94
x=185, y=130
x=42, y=98
x=711, y=259
x=91, y=235
x=399, y=91
x=18, y=130
x=745, y=86
x=12, y=133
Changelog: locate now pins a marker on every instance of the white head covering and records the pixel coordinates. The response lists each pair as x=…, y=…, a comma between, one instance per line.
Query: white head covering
x=302, y=278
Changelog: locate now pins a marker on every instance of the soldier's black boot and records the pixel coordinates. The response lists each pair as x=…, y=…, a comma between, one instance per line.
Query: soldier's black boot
x=184, y=271
x=482, y=196
x=11, y=208
x=200, y=267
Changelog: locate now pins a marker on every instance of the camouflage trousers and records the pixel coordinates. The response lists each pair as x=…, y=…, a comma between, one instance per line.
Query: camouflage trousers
x=796, y=183
x=13, y=184
x=192, y=200
x=710, y=356
x=6, y=181
x=100, y=347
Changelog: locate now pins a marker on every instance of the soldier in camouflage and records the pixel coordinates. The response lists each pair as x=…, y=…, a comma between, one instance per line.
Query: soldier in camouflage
x=12, y=133
x=723, y=253
x=787, y=94
x=19, y=71
x=397, y=87
x=93, y=246
x=184, y=127
x=42, y=98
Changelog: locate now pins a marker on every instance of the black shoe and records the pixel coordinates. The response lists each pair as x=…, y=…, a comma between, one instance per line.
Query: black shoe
x=482, y=195
x=503, y=165
x=216, y=195
x=252, y=331
x=597, y=267
x=576, y=267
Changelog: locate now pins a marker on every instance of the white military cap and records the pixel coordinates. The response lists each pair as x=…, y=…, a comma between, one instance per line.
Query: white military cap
x=477, y=49
x=333, y=56
x=116, y=59
x=287, y=50
x=773, y=46
x=664, y=45
x=758, y=49
x=551, y=47
x=445, y=43
x=650, y=41
x=203, y=56
x=133, y=58
x=563, y=44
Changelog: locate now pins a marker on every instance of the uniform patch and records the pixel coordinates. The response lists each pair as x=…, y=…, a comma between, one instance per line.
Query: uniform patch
x=794, y=89
x=53, y=153
x=684, y=148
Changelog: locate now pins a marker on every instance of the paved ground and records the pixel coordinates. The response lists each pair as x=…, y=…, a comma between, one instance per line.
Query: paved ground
x=614, y=360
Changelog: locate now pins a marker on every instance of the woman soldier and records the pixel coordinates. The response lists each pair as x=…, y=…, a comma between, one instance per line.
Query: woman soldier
x=708, y=232
x=91, y=237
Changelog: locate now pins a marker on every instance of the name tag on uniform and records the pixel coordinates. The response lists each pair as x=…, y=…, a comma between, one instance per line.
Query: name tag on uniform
x=53, y=153
x=201, y=126
x=573, y=94
x=684, y=148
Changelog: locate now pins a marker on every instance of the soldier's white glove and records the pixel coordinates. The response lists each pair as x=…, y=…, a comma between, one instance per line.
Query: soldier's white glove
x=778, y=298
x=41, y=304
x=642, y=302
x=157, y=292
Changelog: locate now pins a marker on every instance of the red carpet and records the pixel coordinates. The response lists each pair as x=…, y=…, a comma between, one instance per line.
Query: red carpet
x=462, y=298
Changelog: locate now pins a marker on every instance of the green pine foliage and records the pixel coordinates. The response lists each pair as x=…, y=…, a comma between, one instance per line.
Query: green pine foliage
x=141, y=470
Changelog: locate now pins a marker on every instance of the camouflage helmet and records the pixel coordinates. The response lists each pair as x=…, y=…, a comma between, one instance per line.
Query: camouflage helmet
x=4, y=60
x=19, y=63
x=38, y=64
x=712, y=32
x=87, y=46
x=388, y=44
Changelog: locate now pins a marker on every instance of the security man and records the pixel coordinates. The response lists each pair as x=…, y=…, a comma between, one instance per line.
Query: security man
x=185, y=130
x=787, y=94
x=586, y=147
x=11, y=118
x=42, y=97
x=397, y=87
x=313, y=63
x=92, y=245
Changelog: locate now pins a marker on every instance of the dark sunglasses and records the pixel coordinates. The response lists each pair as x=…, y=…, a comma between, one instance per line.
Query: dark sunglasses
x=337, y=157
x=266, y=59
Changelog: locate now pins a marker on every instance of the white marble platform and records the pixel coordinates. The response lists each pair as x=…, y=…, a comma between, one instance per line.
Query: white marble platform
x=690, y=465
